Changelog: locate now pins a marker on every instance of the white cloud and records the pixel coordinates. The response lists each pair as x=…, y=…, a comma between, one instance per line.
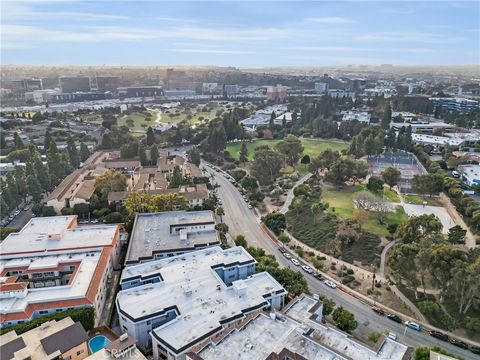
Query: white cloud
x=330, y=20
x=210, y=51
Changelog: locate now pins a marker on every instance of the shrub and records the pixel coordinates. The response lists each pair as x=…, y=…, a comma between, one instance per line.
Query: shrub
x=374, y=336
x=348, y=279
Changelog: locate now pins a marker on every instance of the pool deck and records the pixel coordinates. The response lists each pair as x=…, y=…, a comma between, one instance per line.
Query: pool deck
x=102, y=330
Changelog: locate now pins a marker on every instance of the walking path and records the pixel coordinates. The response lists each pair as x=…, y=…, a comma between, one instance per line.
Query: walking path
x=383, y=256
x=290, y=195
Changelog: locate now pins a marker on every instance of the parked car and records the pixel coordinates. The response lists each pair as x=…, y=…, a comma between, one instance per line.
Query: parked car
x=295, y=262
x=307, y=269
x=287, y=255
x=458, y=343
x=413, y=325
x=318, y=276
x=475, y=349
x=455, y=174
x=249, y=206
x=392, y=336
x=378, y=310
x=330, y=284
x=438, y=335
x=395, y=318
x=16, y=212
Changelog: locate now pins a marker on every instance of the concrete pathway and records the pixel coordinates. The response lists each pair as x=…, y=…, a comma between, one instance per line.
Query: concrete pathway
x=290, y=195
x=383, y=256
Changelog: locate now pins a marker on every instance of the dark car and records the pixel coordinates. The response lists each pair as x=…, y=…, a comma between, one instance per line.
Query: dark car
x=378, y=310
x=395, y=318
x=318, y=276
x=458, y=343
x=439, y=335
x=475, y=350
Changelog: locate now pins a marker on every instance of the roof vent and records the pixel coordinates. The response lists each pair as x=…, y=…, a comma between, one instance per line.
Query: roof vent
x=123, y=337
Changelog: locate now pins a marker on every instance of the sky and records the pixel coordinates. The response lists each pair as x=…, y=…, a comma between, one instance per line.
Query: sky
x=239, y=33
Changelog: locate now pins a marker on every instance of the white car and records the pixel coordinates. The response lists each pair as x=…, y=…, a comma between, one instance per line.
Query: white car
x=413, y=325
x=249, y=206
x=295, y=262
x=287, y=255
x=330, y=284
x=392, y=336
x=307, y=269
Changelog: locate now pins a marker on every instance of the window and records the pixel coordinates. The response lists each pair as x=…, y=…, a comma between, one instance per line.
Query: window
x=79, y=352
x=48, y=273
x=43, y=312
x=59, y=310
x=37, y=275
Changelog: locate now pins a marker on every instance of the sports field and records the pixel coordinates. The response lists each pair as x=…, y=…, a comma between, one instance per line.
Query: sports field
x=312, y=147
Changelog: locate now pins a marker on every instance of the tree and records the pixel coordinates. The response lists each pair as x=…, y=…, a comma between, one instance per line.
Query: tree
x=154, y=155
x=82, y=210
x=143, y=202
x=305, y=160
x=106, y=142
x=243, y=158
x=240, y=241
x=84, y=152
x=374, y=184
x=18, y=142
x=194, y=156
x=271, y=122
x=249, y=183
x=73, y=153
x=57, y=165
x=401, y=261
x=387, y=117
x=324, y=160
x=220, y=212
x=275, y=221
x=217, y=138
x=472, y=325
x=3, y=142
x=110, y=181
x=48, y=140
x=391, y=176
x=34, y=189
x=142, y=153
x=41, y=173
x=428, y=184
x=344, y=319
x=19, y=174
x=114, y=218
x=456, y=235
x=266, y=165
x=328, y=306
x=345, y=169
x=150, y=136
x=419, y=227
x=176, y=179
x=291, y=148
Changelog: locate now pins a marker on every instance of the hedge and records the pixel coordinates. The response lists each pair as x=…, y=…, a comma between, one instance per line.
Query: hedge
x=84, y=315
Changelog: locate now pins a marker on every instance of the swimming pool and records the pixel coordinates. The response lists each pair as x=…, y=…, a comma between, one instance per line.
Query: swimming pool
x=97, y=343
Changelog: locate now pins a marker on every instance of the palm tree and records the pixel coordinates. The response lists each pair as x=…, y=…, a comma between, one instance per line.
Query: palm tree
x=220, y=212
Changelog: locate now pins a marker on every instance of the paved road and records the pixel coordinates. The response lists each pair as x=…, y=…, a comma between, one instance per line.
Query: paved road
x=242, y=220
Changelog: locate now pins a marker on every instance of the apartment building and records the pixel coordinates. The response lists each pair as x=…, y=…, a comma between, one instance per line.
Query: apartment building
x=52, y=265
x=172, y=305
x=164, y=234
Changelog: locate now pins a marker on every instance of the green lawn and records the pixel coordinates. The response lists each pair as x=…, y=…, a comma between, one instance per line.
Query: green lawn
x=419, y=200
x=138, y=120
x=193, y=116
x=342, y=201
x=312, y=147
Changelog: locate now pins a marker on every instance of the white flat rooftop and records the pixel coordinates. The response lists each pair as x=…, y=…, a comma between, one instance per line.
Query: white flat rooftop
x=52, y=234
x=200, y=295
x=77, y=289
x=152, y=232
x=264, y=335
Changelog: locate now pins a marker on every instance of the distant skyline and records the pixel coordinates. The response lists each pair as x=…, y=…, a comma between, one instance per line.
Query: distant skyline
x=240, y=33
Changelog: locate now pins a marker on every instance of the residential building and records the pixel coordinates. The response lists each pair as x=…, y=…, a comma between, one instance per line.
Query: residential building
x=460, y=105
x=53, y=339
x=195, y=194
x=470, y=174
x=123, y=348
x=40, y=96
x=321, y=87
x=423, y=127
x=230, y=90
x=426, y=139
x=335, y=93
x=209, y=88
x=140, y=91
x=174, y=304
x=361, y=116
x=437, y=356
x=79, y=96
x=52, y=265
x=277, y=93
x=294, y=333
x=74, y=83
x=125, y=166
x=164, y=234
x=106, y=83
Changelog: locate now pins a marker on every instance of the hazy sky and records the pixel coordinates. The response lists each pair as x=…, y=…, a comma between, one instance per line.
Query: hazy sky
x=239, y=33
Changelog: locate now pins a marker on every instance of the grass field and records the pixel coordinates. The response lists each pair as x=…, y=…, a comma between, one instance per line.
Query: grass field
x=342, y=201
x=312, y=147
x=137, y=120
x=419, y=200
x=192, y=116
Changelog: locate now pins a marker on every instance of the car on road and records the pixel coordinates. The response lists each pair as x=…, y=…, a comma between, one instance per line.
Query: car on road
x=378, y=310
x=295, y=262
x=307, y=269
x=16, y=212
x=438, y=335
x=318, y=276
x=458, y=343
x=330, y=284
x=413, y=325
x=455, y=174
x=287, y=255
x=395, y=318
x=250, y=206
x=392, y=336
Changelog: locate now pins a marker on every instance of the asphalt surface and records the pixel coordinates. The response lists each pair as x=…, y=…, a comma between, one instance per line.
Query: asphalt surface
x=242, y=220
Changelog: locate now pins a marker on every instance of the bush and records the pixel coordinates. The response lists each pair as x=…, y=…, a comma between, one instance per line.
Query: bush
x=85, y=315
x=300, y=252
x=374, y=336
x=114, y=218
x=48, y=211
x=284, y=239
x=66, y=211
x=348, y=279
x=275, y=221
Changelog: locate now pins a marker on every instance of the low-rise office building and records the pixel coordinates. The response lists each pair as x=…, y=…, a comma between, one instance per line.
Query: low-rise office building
x=294, y=333
x=172, y=305
x=52, y=265
x=470, y=174
x=423, y=127
x=461, y=105
x=164, y=234
x=351, y=115
x=335, y=93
